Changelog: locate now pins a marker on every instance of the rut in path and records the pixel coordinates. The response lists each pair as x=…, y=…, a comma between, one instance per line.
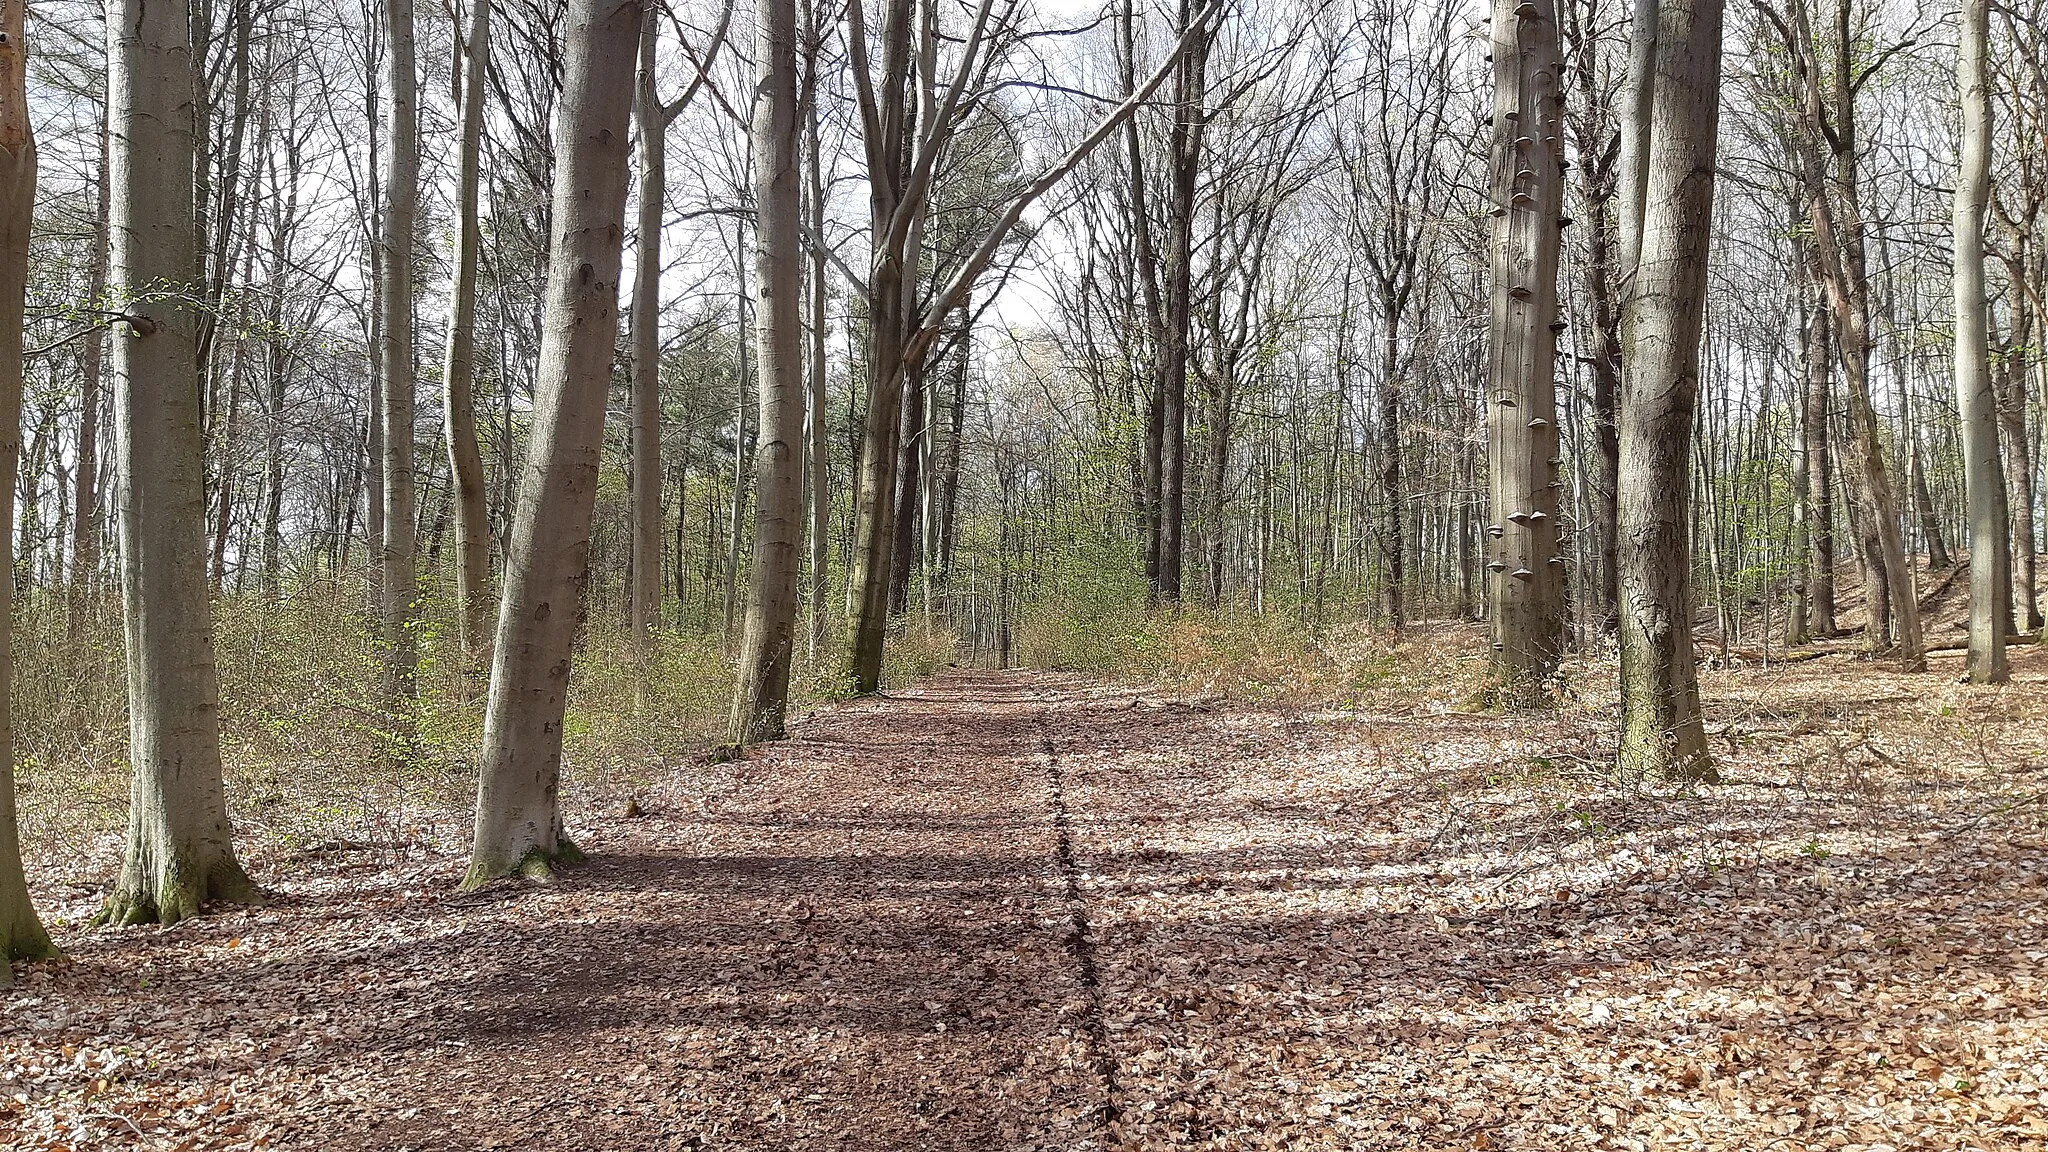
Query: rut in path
x=873, y=935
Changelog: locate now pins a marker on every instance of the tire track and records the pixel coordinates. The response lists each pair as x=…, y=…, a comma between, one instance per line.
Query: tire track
x=1080, y=938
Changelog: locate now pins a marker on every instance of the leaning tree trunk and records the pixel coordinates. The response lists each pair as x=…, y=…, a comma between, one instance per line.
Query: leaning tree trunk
x=1661, y=732
x=518, y=817
x=21, y=933
x=465, y=458
x=1525, y=570
x=180, y=850
x=1983, y=483
x=399, y=584
x=762, y=695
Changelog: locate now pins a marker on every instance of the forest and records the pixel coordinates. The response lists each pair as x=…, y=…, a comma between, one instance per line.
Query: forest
x=1023, y=574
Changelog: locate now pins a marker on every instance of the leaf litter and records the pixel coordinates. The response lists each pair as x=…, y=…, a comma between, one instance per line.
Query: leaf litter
x=1038, y=911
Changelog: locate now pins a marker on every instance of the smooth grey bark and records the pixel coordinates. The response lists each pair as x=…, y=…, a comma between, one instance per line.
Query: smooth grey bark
x=1983, y=478
x=399, y=581
x=465, y=457
x=644, y=391
x=1525, y=571
x=761, y=697
x=1661, y=729
x=816, y=451
x=85, y=513
x=180, y=850
x=518, y=815
x=22, y=936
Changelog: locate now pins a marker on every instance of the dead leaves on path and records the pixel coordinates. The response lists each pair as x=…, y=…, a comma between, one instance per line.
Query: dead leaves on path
x=1390, y=929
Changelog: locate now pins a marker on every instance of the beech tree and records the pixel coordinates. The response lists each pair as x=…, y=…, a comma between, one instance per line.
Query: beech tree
x=518, y=812
x=1984, y=480
x=768, y=646
x=465, y=458
x=21, y=933
x=180, y=850
x=1662, y=733
x=398, y=581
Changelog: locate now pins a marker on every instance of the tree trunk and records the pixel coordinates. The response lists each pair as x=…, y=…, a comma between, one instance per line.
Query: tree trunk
x=761, y=697
x=518, y=817
x=85, y=510
x=817, y=455
x=909, y=475
x=401, y=209
x=1185, y=145
x=1820, y=475
x=465, y=457
x=180, y=850
x=1526, y=585
x=1983, y=481
x=2019, y=491
x=1661, y=730
x=645, y=392
x=21, y=932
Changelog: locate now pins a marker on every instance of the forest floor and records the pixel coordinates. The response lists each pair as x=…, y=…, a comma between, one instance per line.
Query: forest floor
x=1036, y=911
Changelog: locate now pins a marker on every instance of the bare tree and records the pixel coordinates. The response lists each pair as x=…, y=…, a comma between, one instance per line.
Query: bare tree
x=21, y=933
x=518, y=813
x=465, y=458
x=1661, y=729
x=1524, y=566
x=1990, y=563
x=761, y=697
x=180, y=850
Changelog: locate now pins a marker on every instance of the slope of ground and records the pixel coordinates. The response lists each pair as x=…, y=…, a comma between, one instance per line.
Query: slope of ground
x=1031, y=911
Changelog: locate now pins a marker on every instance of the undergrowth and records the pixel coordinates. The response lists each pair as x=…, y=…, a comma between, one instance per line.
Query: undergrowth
x=314, y=759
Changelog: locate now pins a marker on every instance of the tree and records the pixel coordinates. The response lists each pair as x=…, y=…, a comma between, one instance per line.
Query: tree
x=901, y=167
x=518, y=813
x=465, y=459
x=1984, y=483
x=1525, y=569
x=761, y=696
x=1661, y=729
x=180, y=849
x=21, y=933
x=399, y=581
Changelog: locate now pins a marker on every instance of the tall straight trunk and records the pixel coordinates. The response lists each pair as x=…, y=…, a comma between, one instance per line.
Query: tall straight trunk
x=226, y=492
x=1596, y=188
x=401, y=209
x=458, y=397
x=1983, y=478
x=1185, y=147
x=1526, y=572
x=1798, y=620
x=2019, y=457
x=85, y=512
x=1820, y=474
x=518, y=815
x=645, y=392
x=277, y=369
x=738, y=509
x=892, y=291
x=909, y=479
x=816, y=451
x=21, y=932
x=1923, y=500
x=180, y=849
x=1391, y=531
x=761, y=697
x=1661, y=730
x=956, y=414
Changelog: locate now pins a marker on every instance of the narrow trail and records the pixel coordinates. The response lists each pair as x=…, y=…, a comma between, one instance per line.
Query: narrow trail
x=1028, y=911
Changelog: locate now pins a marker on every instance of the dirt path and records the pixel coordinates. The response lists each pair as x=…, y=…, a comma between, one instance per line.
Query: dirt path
x=1025, y=911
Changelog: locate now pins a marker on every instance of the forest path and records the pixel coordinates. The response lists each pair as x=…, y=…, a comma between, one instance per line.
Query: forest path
x=1021, y=910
